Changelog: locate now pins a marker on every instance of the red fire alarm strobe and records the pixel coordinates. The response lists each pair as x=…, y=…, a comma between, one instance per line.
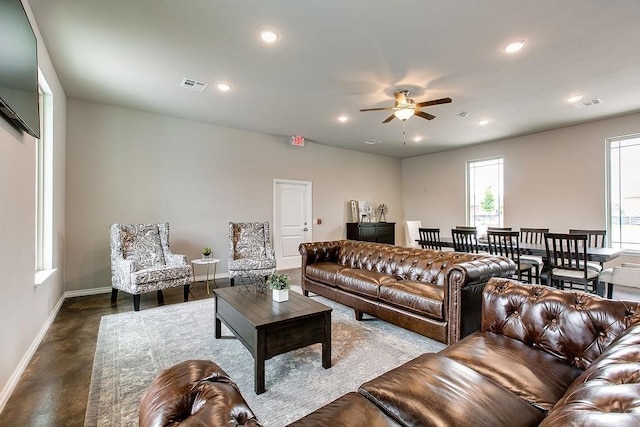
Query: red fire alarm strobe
x=297, y=140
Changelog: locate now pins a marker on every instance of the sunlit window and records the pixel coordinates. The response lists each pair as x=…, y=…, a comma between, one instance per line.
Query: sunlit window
x=623, y=196
x=485, y=193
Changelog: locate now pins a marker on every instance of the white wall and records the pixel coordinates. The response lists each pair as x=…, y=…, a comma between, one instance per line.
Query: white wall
x=25, y=311
x=553, y=179
x=130, y=166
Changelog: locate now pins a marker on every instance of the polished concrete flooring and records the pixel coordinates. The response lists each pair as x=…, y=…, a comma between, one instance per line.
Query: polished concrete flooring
x=54, y=388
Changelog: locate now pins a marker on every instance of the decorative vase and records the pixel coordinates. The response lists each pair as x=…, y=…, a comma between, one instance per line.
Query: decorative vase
x=207, y=257
x=281, y=295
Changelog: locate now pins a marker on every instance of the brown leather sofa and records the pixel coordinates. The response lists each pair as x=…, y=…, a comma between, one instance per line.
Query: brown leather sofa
x=194, y=393
x=433, y=293
x=543, y=357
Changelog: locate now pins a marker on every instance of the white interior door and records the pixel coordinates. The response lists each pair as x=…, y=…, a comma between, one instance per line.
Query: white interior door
x=292, y=221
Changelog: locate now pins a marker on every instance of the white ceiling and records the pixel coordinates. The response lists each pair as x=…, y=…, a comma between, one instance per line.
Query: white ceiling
x=335, y=57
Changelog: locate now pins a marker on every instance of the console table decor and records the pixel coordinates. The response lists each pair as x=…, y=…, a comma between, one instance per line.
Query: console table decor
x=379, y=232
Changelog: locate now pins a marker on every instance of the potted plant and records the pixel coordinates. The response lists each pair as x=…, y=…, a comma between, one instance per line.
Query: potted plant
x=279, y=284
x=206, y=253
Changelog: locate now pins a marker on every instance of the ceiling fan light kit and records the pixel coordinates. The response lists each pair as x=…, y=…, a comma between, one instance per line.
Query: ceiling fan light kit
x=404, y=107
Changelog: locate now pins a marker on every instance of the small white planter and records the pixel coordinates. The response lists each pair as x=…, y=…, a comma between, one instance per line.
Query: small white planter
x=281, y=295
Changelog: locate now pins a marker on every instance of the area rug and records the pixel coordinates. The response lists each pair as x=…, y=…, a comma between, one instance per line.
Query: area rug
x=133, y=347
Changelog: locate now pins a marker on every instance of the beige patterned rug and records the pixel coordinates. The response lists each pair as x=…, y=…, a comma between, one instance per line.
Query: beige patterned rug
x=133, y=347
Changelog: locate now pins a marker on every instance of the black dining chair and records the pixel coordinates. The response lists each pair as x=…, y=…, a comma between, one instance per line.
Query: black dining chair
x=498, y=229
x=534, y=236
x=506, y=243
x=595, y=239
x=430, y=238
x=465, y=240
x=466, y=227
x=567, y=258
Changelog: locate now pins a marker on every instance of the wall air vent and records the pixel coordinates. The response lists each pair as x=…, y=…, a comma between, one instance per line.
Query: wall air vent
x=193, y=85
x=588, y=103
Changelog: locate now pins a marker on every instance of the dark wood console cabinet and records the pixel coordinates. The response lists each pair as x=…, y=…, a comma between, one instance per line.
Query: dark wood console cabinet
x=380, y=232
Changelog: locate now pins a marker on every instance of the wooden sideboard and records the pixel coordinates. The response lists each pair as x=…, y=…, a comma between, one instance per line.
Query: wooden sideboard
x=380, y=232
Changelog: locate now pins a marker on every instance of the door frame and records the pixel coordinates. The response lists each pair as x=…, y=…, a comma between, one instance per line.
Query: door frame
x=277, y=238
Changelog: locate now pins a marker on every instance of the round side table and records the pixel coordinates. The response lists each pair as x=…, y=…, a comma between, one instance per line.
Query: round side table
x=208, y=263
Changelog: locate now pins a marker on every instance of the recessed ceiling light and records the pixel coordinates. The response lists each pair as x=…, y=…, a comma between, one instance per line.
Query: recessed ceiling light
x=514, y=46
x=224, y=87
x=483, y=122
x=268, y=36
x=417, y=139
x=343, y=118
x=574, y=98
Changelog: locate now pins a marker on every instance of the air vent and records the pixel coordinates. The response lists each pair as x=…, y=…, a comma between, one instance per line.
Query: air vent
x=588, y=103
x=193, y=85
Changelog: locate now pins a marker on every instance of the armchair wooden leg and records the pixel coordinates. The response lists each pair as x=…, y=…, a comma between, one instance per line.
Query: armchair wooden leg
x=114, y=296
x=231, y=281
x=186, y=292
x=358, y=314
x=136, y=302
x=160, y=298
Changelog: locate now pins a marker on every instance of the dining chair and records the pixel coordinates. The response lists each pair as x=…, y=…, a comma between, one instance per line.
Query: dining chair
x=567, y=258
x=595, y=239
x=430, y=238
x=498, y=229
x=465, y=240
x=533, y=236
x=506, y=243
x=411, y=233
x=466, y=227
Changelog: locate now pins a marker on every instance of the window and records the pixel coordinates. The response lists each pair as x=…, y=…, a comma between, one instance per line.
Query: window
x=485, y=194
x=623, y=195
x=44, y=183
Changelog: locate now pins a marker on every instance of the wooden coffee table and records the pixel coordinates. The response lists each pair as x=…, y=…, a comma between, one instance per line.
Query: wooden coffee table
x=268, y=328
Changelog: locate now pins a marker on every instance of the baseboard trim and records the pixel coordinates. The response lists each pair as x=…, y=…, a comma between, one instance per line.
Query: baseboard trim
x=17, y=373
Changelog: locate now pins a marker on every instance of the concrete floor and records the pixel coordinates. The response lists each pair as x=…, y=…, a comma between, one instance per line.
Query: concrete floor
x=54, y=388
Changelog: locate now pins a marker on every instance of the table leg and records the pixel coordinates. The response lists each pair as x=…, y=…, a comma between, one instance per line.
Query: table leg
x=258, y=379
x=326, y=344
x=214, y=274
x=207, y=281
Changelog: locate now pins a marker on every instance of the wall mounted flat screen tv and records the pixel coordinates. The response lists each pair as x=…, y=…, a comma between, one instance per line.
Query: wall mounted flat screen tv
x=18, y=68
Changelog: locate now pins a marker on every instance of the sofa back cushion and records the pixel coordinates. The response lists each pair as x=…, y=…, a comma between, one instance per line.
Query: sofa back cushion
x=403, y=263
x=573, y=326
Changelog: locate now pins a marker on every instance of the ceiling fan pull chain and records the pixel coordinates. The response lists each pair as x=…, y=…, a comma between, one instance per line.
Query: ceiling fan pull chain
x=404, y=141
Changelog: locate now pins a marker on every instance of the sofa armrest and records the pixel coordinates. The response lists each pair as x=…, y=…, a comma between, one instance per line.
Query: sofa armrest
x=175, y=260
x=463, y=292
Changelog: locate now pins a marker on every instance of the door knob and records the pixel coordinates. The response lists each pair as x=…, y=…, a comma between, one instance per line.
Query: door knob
x=305, y=229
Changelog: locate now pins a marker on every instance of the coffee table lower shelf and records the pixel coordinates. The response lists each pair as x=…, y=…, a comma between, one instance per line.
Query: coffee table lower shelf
x=268, y=328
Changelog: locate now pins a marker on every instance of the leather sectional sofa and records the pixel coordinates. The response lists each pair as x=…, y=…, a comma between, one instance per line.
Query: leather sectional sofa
x=543, y=357
x=433, y=293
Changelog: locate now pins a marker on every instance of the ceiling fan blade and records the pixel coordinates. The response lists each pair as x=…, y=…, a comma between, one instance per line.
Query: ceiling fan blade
x=433, y=102
x=401, y=97
x=391, y=117
x=377, y=109
x=424, y=115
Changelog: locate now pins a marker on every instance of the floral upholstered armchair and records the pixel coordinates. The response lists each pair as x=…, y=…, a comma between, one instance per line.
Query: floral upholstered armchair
x=142, y=262
x=250, y=251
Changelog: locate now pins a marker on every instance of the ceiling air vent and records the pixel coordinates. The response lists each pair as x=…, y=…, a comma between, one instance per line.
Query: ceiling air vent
x=193, y=85
x=588, y=103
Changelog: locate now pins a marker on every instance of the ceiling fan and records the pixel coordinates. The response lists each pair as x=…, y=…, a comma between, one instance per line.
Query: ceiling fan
x=405, y=107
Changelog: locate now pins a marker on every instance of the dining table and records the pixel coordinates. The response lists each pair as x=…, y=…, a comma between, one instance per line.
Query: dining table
x=538, y=249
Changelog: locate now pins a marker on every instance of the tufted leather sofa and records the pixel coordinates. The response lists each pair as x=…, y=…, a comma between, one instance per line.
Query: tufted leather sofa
x=194, y=393
x=542, y=357
x=433, y=293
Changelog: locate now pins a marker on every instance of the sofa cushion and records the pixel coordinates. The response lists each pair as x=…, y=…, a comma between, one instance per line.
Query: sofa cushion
x=432, y=390
x=324, y=272
x=535, y=376
x=608, y=392
x=350, y=410
x=362, y=282
x=418, y=297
